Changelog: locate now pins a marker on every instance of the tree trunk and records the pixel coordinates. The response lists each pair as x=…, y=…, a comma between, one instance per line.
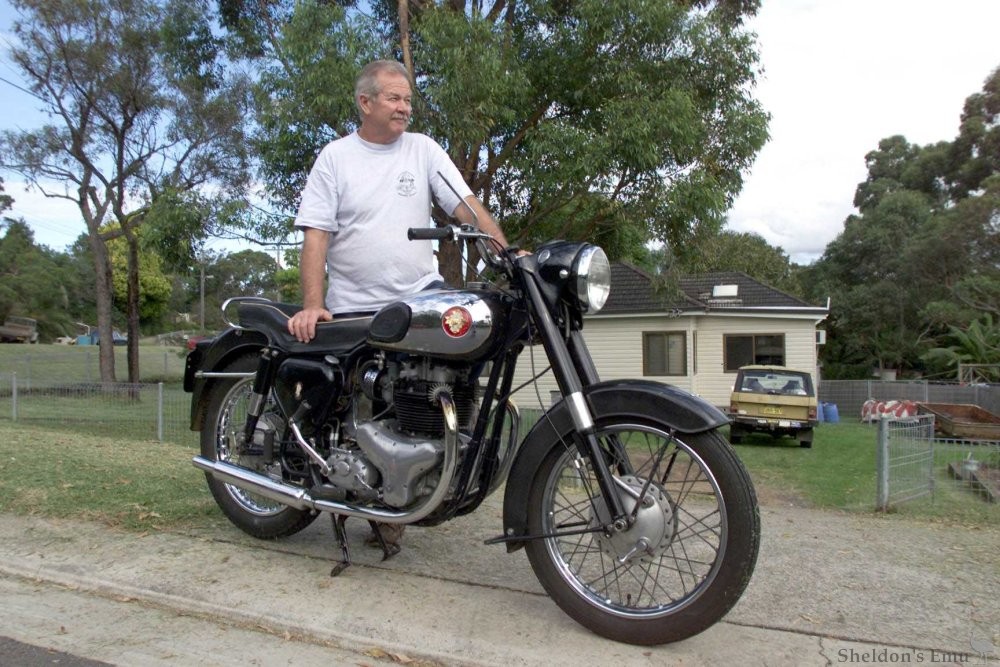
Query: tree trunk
x=404, y=36
x=450, y=263
x=132, y=307
x=103, y=290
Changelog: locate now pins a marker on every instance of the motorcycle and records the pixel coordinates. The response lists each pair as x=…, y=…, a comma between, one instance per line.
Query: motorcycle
x=636, y=515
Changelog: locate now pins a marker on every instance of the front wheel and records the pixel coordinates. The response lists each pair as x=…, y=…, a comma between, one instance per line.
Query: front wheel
x=221, y=440
x=684, y=560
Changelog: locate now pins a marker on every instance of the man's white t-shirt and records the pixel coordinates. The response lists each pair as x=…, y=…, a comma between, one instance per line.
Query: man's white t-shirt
x=367, y=195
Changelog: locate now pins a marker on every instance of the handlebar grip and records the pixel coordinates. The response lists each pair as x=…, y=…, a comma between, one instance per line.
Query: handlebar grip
x=428, y=233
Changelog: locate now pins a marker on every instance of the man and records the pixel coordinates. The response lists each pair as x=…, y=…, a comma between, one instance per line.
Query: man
x=363, y=193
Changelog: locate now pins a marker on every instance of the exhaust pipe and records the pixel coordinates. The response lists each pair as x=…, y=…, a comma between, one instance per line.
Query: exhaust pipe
x=299, y=498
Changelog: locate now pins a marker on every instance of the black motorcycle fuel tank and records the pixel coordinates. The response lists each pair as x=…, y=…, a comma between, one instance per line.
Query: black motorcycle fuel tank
x=451, y=324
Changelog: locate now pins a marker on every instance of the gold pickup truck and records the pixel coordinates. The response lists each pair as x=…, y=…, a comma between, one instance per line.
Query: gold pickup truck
x=775, y=400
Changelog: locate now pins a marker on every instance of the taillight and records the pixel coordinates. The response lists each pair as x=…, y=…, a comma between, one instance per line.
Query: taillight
x=812, y=412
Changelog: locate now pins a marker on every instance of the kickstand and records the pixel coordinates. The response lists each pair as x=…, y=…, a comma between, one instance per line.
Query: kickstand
x=388, y=550
x=345, y=553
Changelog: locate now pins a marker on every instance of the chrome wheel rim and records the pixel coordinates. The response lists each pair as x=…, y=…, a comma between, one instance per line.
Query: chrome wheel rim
x=673, y=550
x=229, y=432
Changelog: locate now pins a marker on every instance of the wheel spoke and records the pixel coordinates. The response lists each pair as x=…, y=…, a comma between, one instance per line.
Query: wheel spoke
x=229, y=429
x=674, y=547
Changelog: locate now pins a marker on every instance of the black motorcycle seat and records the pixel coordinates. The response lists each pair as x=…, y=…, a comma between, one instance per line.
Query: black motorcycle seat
x=337, y=337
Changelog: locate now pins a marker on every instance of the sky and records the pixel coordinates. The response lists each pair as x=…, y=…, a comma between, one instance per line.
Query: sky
x=838, y=76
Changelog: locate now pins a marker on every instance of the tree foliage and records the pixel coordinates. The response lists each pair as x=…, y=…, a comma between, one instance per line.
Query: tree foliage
x=140, y=104
x=921, y=259
x=33, y=282
x=616, y=122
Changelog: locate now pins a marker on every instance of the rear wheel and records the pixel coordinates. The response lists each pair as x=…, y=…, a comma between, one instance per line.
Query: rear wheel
x=685, y=559
x=222, y=440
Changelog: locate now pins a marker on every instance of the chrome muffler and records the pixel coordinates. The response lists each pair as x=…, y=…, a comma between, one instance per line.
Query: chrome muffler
x=299, y=498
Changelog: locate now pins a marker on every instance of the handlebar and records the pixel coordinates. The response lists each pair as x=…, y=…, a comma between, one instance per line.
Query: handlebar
x=455, y=233
x=430, y=233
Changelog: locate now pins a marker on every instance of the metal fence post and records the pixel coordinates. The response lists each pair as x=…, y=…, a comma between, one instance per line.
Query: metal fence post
x=159, y=412
x=13, y=395
x=882, y=466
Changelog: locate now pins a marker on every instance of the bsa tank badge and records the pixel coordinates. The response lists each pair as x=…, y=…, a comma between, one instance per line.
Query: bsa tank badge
x=456, y=321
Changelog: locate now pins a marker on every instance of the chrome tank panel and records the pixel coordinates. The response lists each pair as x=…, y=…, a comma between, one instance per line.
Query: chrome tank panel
x=457, y=324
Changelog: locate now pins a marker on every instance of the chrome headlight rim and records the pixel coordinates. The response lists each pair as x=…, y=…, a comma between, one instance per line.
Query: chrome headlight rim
x=592, y=278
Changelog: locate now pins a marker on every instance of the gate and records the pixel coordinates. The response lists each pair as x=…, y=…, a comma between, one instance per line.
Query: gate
x=904, y=459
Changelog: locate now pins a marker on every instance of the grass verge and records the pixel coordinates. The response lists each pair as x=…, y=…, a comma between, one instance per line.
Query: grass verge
x=132, y=484
x=140, y=484
x=838, y=472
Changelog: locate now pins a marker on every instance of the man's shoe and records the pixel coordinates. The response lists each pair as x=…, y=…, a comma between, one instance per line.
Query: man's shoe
x=392, y=533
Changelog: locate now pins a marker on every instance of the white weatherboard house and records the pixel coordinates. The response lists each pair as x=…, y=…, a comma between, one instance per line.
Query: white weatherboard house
x=695, y=338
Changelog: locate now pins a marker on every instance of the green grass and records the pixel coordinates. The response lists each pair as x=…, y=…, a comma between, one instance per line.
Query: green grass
x=134, y=484
x=43, y=364
x=133, y=481
x=838, y=472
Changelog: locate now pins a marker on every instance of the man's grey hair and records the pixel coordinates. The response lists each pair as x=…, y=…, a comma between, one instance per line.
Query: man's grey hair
x=367, y=82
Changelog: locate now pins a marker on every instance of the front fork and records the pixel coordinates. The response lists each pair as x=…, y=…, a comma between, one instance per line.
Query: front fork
x=572, y=368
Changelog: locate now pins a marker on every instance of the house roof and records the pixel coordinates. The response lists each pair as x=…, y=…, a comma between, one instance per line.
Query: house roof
x=635, y=291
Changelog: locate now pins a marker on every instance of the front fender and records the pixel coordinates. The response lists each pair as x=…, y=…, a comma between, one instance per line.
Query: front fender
x=228, y=345
x=641, y=400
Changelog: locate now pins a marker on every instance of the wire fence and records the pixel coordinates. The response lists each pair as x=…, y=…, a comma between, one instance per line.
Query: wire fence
x=155, y=411
x=913, y=461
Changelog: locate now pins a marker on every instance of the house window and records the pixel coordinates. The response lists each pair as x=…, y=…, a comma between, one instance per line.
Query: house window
x=763, y=349
x=664, y=353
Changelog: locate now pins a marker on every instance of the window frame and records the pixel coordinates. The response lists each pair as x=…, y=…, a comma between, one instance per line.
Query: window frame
x=666, y=334
x=730, y=366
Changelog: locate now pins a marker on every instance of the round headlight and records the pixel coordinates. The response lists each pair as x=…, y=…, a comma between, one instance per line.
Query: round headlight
x=592, y=273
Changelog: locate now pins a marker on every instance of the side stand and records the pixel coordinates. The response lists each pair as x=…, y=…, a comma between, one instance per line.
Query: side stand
x=345, y=552
x=388, y=550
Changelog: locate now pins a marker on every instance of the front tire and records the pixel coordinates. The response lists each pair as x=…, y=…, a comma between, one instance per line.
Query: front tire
x=682, y=564
x=221, y=436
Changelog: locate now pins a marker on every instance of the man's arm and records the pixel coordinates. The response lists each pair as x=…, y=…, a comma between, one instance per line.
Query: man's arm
x=486, y=222
x=312, y=270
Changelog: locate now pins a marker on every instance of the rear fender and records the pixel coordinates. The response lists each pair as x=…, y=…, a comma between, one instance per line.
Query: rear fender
x=641, y=400
x=225, y=347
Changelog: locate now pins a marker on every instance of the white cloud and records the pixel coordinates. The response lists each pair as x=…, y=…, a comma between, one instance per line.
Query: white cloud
x=56, y=222
x=839, y=77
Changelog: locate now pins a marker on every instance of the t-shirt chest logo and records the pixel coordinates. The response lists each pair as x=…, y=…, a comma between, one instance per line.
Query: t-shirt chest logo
x=406, y=184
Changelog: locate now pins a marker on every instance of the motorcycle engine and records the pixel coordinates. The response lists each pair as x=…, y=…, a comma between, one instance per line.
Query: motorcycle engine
x=407, y=445
x=415, y=395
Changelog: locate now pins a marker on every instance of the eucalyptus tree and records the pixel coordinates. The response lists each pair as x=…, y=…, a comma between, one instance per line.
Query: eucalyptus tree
x=618, y=122
x=139, y=102
x=921, y=258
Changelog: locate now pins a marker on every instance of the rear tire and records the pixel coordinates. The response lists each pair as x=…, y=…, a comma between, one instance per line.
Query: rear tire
x=221, y=434
x=685, y=561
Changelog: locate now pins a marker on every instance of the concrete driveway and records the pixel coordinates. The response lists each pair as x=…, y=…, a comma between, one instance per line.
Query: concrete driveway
x=830, y=588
